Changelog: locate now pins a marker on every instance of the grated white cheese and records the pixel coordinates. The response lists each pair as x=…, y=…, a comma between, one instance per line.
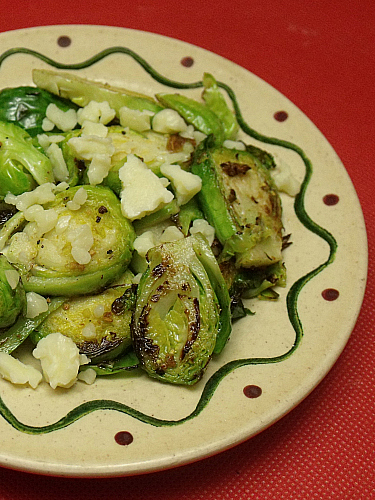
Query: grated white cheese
x=185, y=184
x=47, y=125
x=88, y=376
x=137, y=120
x=171, y=233
x=81, y=239
x=97, y=112
x=88, y=146
x=46, y=140
x=144, y=242
x=99, y=311
x=203, y=227
x=284, y=179
x=191, y=133
x=13, y=278
x=60, y=360
x=143, y=192
x=168, y=121
x=234, y=145
x=98, y=169
x=64, y=120
x=89, y=331
x=60, y=170
x=36, y=304
x=45, y=220
x=92, y=128
x=78, y=199
x=62, y=224
x=40, y=195
x=15, y=371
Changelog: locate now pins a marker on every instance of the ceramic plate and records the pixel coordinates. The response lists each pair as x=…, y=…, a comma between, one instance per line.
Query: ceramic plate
x=274, y=358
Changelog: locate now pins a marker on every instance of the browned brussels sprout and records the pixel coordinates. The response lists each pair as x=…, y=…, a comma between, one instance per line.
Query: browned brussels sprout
x=99, y=324
x=177, y=314
x=240, y=200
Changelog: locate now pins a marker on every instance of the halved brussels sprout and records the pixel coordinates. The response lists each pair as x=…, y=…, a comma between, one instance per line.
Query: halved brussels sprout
x=99, y=324
x=12, y=294
x=177, y=314
x=240, y=200
x=22, y=166
x=88, y=247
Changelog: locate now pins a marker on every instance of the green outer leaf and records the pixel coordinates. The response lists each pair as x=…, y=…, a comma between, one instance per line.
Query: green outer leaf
x=74, y=285
x=81, y=91
x=207, y=258
x=13, y=337
x=126, y=362
x=188, y=213
x=12, y=301
x=217, y=103
x=26, y=107
x=195, y=113
x=210, y=196
x=11, y=226
x=161, y=215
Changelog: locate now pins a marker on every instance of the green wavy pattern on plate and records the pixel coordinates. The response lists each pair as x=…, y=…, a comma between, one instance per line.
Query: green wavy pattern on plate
x=292, y=297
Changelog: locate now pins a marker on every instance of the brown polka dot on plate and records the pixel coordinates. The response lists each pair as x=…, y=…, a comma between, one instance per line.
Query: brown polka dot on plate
x=124, y=438
x=64, y=41
x=252, y=391
x=330, y=294
x=280, y=116
x=187, y=62
x=331, y=199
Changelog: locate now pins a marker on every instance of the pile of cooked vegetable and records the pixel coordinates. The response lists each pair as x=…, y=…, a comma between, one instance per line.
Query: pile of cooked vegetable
x=131, y=229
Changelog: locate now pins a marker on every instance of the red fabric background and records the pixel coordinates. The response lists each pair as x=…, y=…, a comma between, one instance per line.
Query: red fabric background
x=321, y=55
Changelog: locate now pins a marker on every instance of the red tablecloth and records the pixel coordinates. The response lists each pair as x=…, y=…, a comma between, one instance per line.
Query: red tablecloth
x=320, y=54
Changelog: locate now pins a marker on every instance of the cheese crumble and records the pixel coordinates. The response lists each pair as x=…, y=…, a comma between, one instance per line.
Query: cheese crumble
x=143, y=192
x=60, y=360
x=18, y=373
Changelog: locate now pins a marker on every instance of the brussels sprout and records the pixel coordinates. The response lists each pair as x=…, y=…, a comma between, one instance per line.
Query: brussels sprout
x=26, y=107
x=257, y=282
x=89, y=246
x=176, y=319
x=249, y=283
x=22, y=166
x=12, y=294
x=82, y=91
x=240, y=200
x=99, y=324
